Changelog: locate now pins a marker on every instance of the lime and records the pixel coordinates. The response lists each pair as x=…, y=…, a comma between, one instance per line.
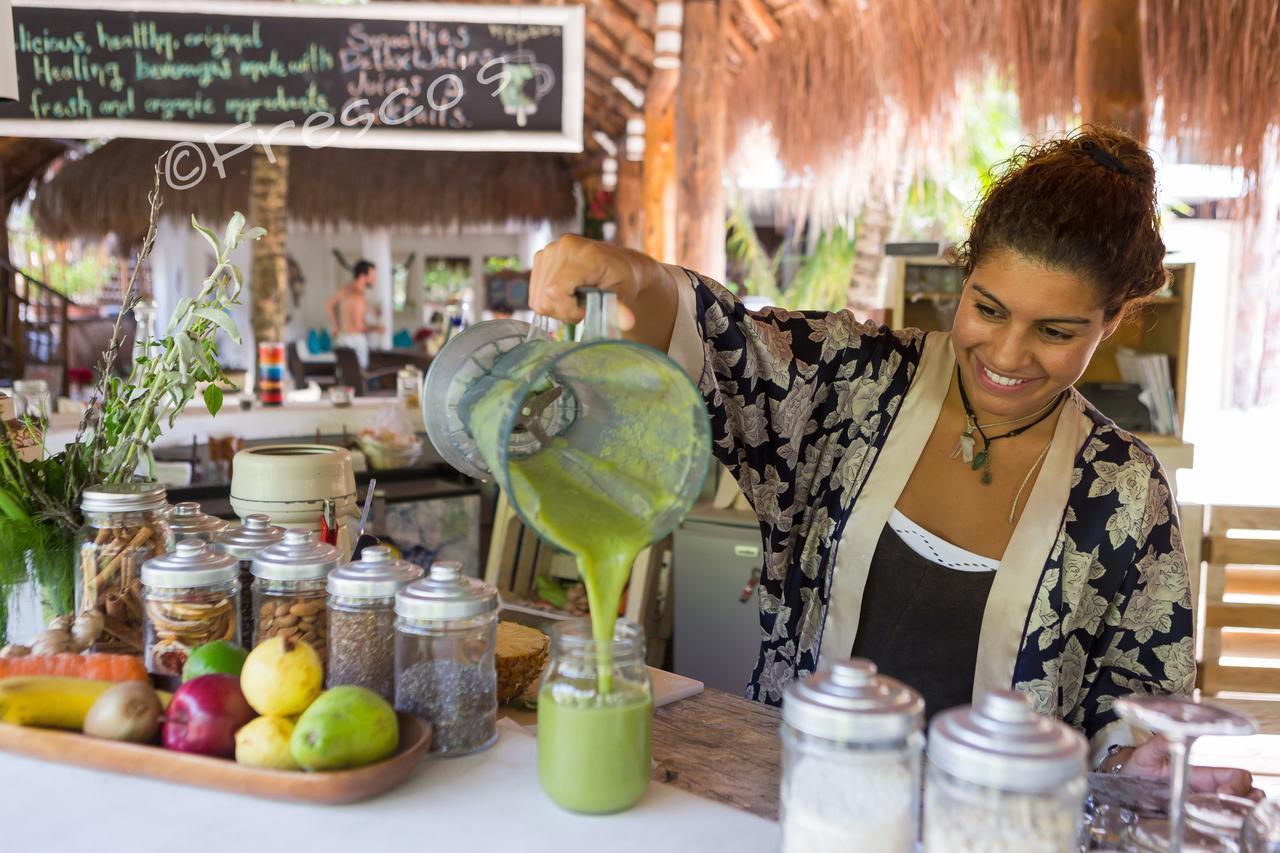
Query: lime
x=216, y=657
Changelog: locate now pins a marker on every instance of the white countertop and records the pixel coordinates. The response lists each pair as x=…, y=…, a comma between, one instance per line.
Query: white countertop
x=485, y=802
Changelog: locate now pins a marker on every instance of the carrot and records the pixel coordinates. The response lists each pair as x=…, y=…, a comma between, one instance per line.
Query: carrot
x=98, y=666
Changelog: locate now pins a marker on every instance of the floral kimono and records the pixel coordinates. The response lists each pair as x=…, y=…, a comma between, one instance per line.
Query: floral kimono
x=822, y=418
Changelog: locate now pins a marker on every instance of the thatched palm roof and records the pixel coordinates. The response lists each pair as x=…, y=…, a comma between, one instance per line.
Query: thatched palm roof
x=23, y=160
x=104, y=192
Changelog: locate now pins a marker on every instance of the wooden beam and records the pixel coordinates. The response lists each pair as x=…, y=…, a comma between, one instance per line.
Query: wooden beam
x=1109, y=78
x=700, y=141
x=633, y=41
x=761, y=19
x=644, y=11
x=609, y=59
x=269, y=269
x=630, y=203
x=735, y=40
x=659, y=216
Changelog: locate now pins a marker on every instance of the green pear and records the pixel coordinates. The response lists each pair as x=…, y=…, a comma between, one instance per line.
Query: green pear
x=346, y=727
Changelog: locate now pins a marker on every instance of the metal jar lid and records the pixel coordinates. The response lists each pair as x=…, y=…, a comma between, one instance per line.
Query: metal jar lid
x=123, y=497
x=191, y=564
x=186, y=521
x=300, y=556
x=1003, y=743
x=374, y=575
x=254, y=533
x=445, y=594
x=851, y=703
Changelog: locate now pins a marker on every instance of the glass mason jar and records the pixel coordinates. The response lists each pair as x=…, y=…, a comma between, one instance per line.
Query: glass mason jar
x=190, y=597
x=244, y=543
x=851, y=744
x=1003, y=778
x=125, y=525
x=409, y=387
x=289, y=581
x=362, y=620
x=446, y=634
x=595, y=745
x=186, y=521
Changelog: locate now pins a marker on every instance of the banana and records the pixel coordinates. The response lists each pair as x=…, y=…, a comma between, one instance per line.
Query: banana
x=48, y=700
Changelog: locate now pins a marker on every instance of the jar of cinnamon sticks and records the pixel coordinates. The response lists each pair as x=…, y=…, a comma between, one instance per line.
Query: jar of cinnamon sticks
x=124, y=527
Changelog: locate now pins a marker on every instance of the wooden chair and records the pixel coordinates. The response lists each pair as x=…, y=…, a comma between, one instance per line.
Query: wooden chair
x=348, y=371
x=1241, y=601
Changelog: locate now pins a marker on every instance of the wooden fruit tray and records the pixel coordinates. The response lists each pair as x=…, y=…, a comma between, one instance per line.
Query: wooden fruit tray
x=327, y=788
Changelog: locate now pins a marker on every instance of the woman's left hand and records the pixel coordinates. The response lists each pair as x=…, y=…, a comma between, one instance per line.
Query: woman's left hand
x=1151, y=759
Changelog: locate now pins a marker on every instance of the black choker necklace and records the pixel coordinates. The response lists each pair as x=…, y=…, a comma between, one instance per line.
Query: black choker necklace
x=965, y=446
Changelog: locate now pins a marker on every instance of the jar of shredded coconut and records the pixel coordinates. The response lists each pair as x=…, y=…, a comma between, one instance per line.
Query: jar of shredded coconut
x=851, y=743
x=1003, y=778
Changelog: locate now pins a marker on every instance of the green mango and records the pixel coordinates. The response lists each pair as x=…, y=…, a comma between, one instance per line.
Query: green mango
x=345, y=727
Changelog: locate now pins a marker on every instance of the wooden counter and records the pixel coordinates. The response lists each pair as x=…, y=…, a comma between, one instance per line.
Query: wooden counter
x=727, y=749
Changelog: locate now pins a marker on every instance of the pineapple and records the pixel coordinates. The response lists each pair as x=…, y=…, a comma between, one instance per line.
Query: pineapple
x=520, y=656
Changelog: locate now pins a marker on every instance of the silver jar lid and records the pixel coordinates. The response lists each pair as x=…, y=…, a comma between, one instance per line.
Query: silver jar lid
x=254, y=533
x=374, y=575
x=1003, y=743
x=851, y=703
x=191, y=564
x=445, y=594
x=187, y=521
x=123, y=497
x=300, y=556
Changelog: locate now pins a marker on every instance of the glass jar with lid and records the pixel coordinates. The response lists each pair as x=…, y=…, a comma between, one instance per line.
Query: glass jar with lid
x=124, y=526
x=446, y=634
x=186, y=521
x=244, y=543
x=289, y=580
x=1003, y=778
x=362, y=620
x=409, y=386
x=190, y=597
x=851, y=744
x=595, y=719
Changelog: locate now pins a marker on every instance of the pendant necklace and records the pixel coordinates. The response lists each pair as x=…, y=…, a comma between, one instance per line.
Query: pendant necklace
x=965, y=447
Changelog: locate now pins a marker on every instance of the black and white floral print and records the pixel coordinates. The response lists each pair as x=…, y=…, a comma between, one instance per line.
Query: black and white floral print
x=800, y=405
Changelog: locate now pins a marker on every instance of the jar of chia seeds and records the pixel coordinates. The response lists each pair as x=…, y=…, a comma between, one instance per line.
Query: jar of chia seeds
x=362, y=620
x=446, y=632
x=244, y=543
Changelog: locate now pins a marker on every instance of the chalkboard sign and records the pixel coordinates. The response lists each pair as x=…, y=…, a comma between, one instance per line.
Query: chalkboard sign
x=403, y=75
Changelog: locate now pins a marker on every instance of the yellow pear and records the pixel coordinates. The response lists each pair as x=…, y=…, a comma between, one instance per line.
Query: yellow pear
x=281, y=677
x=264, y=742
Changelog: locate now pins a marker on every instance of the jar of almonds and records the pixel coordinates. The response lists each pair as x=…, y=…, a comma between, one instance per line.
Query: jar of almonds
x=124, y=526
x=289, y=582
x=187, y=521
x=190, y=597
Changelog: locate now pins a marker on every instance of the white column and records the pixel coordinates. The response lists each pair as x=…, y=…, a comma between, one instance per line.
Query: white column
x=375, y=245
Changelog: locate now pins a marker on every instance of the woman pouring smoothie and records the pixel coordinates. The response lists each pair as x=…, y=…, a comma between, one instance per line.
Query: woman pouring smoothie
x=947, y=504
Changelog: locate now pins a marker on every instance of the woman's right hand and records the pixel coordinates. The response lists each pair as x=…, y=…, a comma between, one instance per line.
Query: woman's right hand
x=646, y=292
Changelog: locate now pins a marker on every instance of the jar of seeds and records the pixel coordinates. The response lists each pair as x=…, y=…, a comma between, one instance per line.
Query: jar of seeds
x=186, y=521
x=244, y=543
x=362, y=620
x=190, y=597
x=446, y=630
x=1003, y=779
x=124, y=527
x=289, y=581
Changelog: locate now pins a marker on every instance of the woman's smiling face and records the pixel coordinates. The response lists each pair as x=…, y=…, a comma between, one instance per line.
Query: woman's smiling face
x=1023, y=333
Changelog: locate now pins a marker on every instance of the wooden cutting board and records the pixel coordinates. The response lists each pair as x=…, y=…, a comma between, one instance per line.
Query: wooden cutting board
x=667, y=688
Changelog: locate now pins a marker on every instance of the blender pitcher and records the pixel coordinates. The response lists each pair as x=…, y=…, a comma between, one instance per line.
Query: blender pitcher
x=602, y=416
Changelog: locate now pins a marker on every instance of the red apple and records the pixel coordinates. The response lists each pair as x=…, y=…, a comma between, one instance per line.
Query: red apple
x=204, y=716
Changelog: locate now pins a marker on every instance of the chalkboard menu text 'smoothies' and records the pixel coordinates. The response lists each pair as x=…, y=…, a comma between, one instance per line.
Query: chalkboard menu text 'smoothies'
x=389, y=75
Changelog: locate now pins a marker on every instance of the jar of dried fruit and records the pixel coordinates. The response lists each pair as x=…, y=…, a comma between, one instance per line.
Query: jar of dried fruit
x=190, y=597
x=244, y=543
x=289, y=581
x=187, y=521
x=125, y=525
x=362, y=620
x=446, y=630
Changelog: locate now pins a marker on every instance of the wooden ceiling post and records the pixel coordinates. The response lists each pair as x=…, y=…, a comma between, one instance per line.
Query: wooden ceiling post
x=269, y=269
x=1109, y=78
x=630, y=198
x=700, y=141
x=659, y=173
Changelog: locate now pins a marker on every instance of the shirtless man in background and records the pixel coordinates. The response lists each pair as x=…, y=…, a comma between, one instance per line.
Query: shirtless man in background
x=349, y=310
